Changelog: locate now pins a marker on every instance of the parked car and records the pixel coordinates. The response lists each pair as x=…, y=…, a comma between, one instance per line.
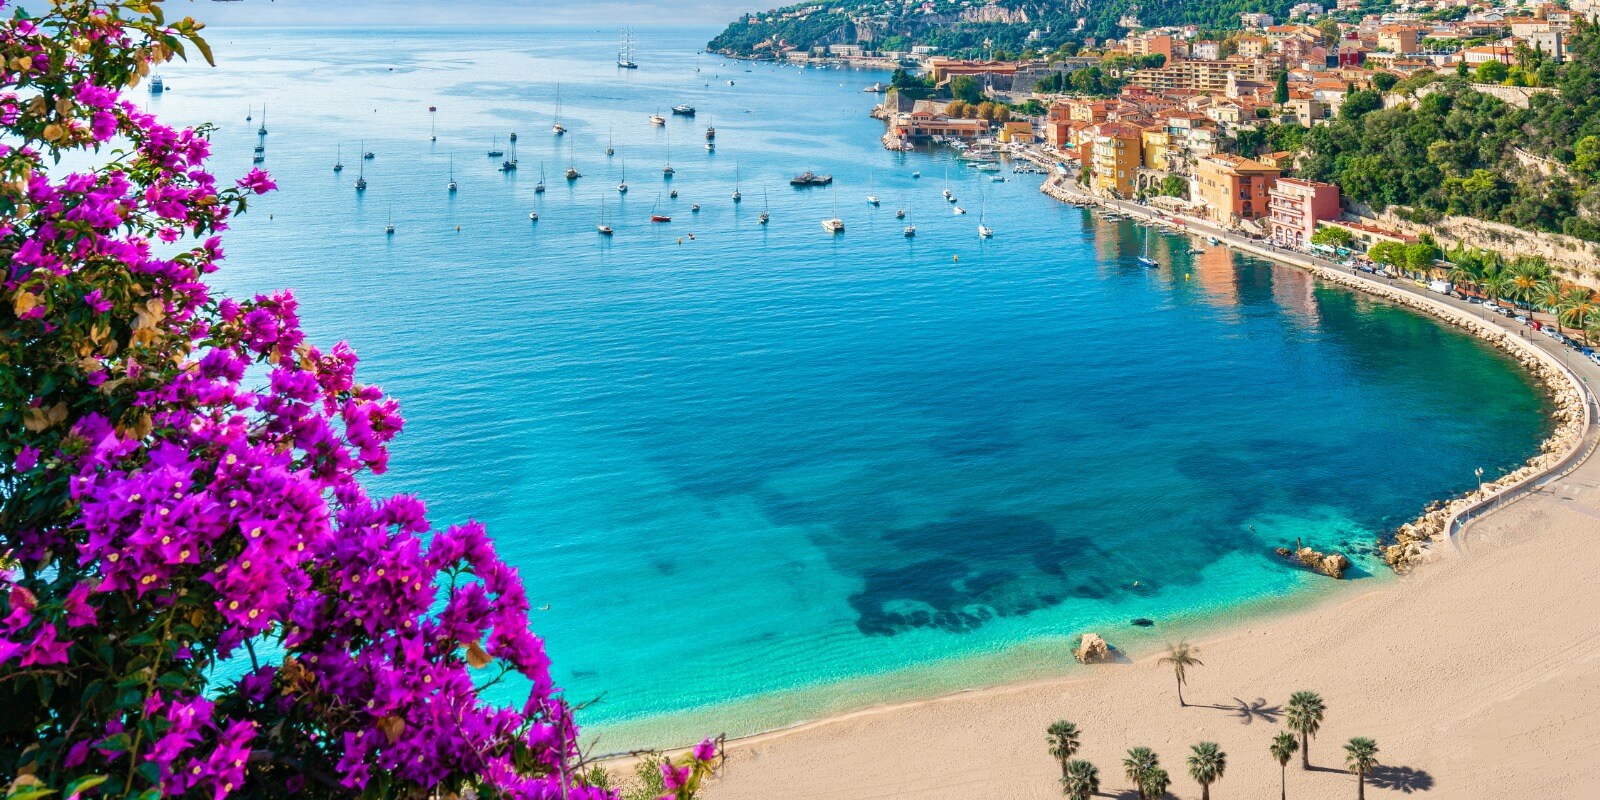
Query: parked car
x=1492, y=308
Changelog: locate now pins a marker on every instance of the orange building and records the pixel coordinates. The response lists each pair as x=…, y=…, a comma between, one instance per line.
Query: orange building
x=1116, y=158
x=1234, y=188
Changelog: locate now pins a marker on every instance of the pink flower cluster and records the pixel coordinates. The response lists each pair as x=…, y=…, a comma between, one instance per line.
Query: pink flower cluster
x=180, y=485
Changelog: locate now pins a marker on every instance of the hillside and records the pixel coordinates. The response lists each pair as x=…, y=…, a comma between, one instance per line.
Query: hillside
x=959, y=27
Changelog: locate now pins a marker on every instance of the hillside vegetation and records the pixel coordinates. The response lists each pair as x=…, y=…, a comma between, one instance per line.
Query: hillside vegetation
x=962, y=30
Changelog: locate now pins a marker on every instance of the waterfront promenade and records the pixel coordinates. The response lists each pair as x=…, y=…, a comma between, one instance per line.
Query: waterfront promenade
x=1478, y=675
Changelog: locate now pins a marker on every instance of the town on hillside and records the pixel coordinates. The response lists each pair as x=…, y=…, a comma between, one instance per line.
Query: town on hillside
x=1253, y=127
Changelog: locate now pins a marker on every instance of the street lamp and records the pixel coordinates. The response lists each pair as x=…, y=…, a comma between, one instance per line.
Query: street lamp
x=1479, y=472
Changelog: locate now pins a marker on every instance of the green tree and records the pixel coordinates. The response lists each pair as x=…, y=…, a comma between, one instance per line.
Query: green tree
x=1174, y=186
x=1331, y=236
x=1384, y=81
x=1181, y=656
x=1491, y=72
x=1137, y=766
x=1361, y=102
x=1461, y=68
x=1155, y=783
x=1330, y=31
x=1586, y=156
x=1283, y=748
x=1280, y=92
x=1496, y=287
x=1207, y=763
x=1577, y=308
x=1303, y=715
x=1361, y=755
x=1082, y=780
x=1063, y=739
x=966, y=89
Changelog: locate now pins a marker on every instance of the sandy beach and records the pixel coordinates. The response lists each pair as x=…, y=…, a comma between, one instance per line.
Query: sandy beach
x=1478, y=675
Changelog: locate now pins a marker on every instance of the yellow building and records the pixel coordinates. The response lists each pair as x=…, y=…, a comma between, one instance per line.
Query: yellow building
x=1116, y=158
x=1155, y=142
x=1016, y=131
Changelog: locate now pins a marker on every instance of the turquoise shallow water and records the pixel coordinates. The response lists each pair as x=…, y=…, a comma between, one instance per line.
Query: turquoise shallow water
x=765, y=473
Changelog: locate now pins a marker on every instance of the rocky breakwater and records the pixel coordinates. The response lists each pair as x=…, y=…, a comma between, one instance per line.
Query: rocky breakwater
x=1332, y=565
x=1413, y=542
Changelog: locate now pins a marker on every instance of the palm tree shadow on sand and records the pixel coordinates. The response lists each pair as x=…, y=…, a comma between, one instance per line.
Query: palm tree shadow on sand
x=1247, y=712
x=1400, y=779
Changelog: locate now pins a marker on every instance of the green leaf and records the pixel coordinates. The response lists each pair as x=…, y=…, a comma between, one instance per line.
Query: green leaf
x=205, y=50
x=84, y=784
x=31, y=793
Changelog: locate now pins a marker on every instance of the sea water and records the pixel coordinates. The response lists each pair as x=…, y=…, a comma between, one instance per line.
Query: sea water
x=760, y=473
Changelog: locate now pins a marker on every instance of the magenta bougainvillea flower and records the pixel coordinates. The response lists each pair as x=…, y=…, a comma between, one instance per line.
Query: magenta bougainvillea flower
x=180, y=486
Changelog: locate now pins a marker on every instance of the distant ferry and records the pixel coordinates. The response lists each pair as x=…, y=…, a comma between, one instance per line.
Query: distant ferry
x=157, y=86
x=809, y=178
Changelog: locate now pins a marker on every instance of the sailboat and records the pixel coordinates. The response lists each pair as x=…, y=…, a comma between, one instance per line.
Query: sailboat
x=338, y=160
x=910, y=230
x=872, y=199
x=1145, y=260
x=389, y=230
x=510, y=164
x=262, y=131
x=658, y=120
x=248, y=110
x=655, y=212
x=764, y=215
x=601, y=227
x=711, y=130
x=948, y=195
x=667, y=171
x=361, y=177
x=572, y=166
x=984, y=231
x=622, y=188
x=494, y=148
x=433, y=127
x=538, y=188
x=834, y=224
x=555, y=123
x=610, y=150
x=452, y=185
x=736, y=195
x=625, y=54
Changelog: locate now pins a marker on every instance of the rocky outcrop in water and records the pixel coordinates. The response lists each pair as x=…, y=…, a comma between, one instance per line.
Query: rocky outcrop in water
x=1332, y=565
x=1092, y=649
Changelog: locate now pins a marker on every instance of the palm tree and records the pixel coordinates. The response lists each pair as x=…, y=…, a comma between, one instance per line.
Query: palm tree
x=1578, y=308
x=1138, y=765
x=1181, y=656
x=1283, y=747
x=1155, y=784
x=1523, y=285
x=1081, y=781
x=1304, y=716
x=1063, y=739
x=1497, y=287
x=1361, y=755
x=1207, y=762
x=1548, y=295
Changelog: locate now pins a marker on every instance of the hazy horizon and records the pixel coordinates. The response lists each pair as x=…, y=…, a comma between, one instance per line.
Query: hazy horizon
x=401, y=13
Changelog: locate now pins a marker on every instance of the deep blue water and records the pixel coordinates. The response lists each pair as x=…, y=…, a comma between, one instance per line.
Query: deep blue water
x=764, y=472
